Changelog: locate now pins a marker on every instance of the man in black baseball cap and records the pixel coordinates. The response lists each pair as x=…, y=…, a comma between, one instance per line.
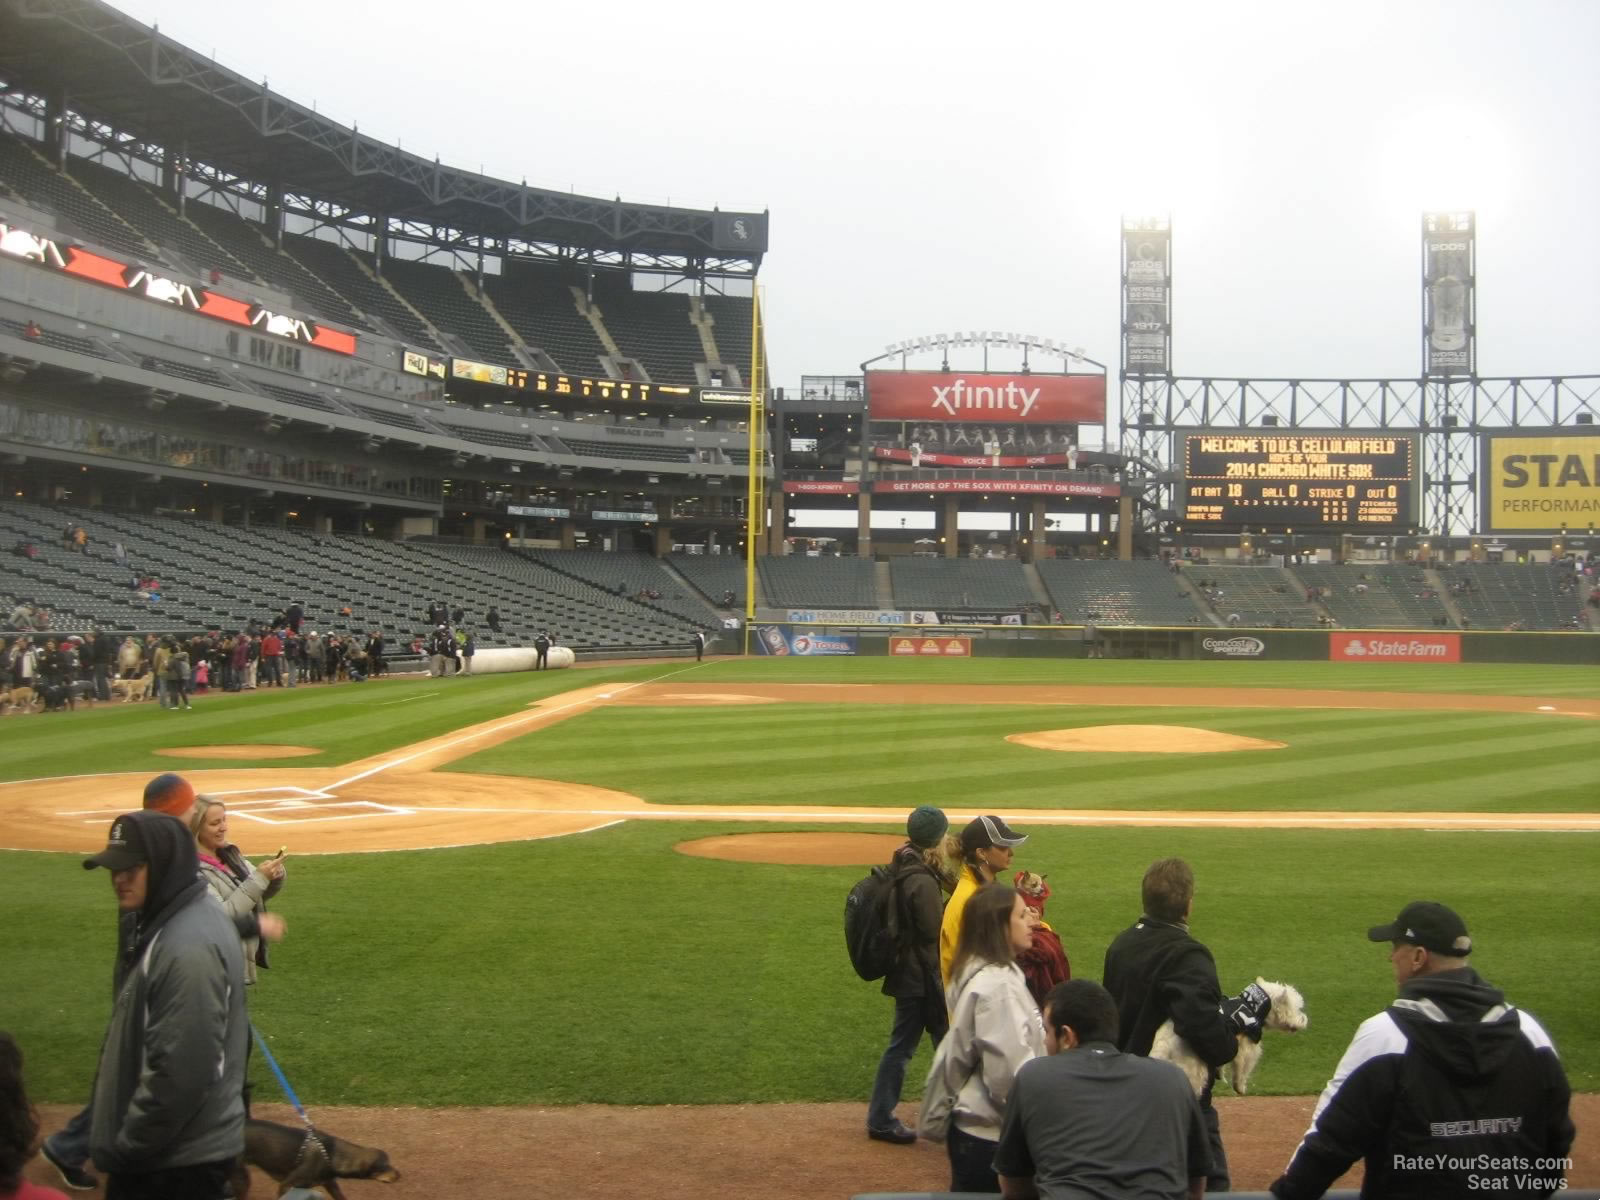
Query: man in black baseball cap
x=987, y=843
x=179, y=987
x=1448, y=1076
x=1426, y=925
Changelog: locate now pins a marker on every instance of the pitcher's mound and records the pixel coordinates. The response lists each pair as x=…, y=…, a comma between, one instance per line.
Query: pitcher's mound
x=240, y=751
x=798, y=849
x=1140, y=739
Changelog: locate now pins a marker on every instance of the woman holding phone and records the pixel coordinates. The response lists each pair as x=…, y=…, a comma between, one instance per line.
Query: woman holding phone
x=241, y=888
x=995, y=1027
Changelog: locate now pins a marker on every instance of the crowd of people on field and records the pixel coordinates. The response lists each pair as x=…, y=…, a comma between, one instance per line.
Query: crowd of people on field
x=101, y=665
x=1048, y=1085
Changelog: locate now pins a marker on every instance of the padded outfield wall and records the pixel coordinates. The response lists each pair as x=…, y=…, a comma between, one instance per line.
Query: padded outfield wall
x=1210, y=643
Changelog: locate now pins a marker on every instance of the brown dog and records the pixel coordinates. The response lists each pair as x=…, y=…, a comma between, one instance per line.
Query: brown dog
x=306, y=1159
x=22, y=698
x=133, y=689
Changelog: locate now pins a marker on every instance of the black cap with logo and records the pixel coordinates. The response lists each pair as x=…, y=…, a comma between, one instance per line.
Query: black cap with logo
x=125, y=847
x=1432, y=926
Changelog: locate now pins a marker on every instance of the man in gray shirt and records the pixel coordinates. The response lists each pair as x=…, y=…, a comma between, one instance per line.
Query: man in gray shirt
x=1089, y=1121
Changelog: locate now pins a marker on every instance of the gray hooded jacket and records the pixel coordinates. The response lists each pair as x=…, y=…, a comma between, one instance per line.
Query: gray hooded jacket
x=170, y=1088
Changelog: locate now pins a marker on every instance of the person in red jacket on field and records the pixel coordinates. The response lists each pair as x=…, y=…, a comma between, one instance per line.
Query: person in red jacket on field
x=272, y=659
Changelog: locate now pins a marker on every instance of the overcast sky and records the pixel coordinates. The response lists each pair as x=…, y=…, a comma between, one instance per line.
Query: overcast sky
x=935, y=167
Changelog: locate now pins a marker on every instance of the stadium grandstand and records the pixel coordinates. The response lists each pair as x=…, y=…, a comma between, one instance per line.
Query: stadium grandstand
x=234, y=333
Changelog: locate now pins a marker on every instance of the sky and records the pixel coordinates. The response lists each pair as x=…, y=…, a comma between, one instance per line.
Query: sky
x=935, y=167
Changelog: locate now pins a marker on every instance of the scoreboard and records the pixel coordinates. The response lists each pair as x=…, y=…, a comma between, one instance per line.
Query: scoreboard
x=1300, y=480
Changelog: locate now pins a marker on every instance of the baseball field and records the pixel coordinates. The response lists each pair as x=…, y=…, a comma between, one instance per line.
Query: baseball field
x=564, y=890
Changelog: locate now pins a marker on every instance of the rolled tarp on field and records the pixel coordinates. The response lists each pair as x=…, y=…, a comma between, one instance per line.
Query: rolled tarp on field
x=518, y=658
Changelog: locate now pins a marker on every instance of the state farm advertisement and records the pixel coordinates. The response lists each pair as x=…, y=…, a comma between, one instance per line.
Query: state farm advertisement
x=998, y=399
x=1394, y=647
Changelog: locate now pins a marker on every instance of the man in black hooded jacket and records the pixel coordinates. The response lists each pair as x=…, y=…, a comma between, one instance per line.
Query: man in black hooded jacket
x=168, y=1106
x=1448, y=1092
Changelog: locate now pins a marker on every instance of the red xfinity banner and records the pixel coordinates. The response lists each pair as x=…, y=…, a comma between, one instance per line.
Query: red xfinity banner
x=1000, y=399
x=1394, y=647
x=1013, y=487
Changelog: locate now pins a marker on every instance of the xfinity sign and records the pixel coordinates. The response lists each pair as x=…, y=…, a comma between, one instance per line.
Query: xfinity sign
x=958, y=397
x=1007, y=399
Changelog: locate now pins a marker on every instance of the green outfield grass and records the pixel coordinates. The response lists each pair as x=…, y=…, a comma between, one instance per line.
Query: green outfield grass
x=868, y=755
x=606, y=967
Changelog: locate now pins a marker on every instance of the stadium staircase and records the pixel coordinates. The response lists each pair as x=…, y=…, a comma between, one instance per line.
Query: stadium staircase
x=678, y=605
x=883, y=579
x=353, y=280
x=30, y=174
x=592, y=314
x=541, y=307
x=730, y=320
x=1376, y=595
x=1451, y=608
x=481, y=297
x=250, y=243
x=712, y=575
x=654, y=328
x=439, y=295
x=141, y=207
x=703, y=327
x=1186, y=586
x=1041, y=594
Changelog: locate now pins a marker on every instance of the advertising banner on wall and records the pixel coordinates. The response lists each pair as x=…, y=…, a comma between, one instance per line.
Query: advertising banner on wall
x=947, y=617
x=931, y=647
x=846, y=616
x=1394, y=647
x=822, y=487
x=987, y=398
x=1448, y=302
x=779, y=643
x=1146, y=298
x=1537, y=483
x=1005, y=487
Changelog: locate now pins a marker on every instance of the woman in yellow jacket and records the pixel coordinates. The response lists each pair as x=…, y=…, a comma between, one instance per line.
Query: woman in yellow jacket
x=987, y=844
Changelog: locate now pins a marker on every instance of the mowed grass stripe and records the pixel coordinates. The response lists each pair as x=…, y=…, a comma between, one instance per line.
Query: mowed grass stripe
x=879, y=755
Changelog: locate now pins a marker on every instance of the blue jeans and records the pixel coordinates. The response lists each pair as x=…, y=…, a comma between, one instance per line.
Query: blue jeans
x=971, y=1162
x=912, y=1014
x=71, y=1143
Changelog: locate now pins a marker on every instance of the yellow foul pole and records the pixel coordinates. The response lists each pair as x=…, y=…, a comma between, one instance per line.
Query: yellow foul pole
x=755, y=506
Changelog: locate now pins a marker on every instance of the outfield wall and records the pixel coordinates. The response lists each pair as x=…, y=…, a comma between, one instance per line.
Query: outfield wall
x=1204, y=644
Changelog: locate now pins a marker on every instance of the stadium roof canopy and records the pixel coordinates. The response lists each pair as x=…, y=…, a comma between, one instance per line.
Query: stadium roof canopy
x=86, y=57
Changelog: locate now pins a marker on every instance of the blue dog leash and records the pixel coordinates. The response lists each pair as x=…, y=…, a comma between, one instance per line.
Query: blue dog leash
x=283, y=1082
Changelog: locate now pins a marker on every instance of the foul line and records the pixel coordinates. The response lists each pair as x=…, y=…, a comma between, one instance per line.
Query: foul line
x=500, y=726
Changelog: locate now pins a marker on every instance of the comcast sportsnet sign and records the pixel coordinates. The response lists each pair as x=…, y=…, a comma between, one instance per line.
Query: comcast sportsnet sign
x=981, y=397
x=1394, y=647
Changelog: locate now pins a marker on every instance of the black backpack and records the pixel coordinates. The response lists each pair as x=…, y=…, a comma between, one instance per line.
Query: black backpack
x=872, y=923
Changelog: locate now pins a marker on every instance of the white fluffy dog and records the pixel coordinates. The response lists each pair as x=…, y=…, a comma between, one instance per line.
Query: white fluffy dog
x=1288, y=1013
